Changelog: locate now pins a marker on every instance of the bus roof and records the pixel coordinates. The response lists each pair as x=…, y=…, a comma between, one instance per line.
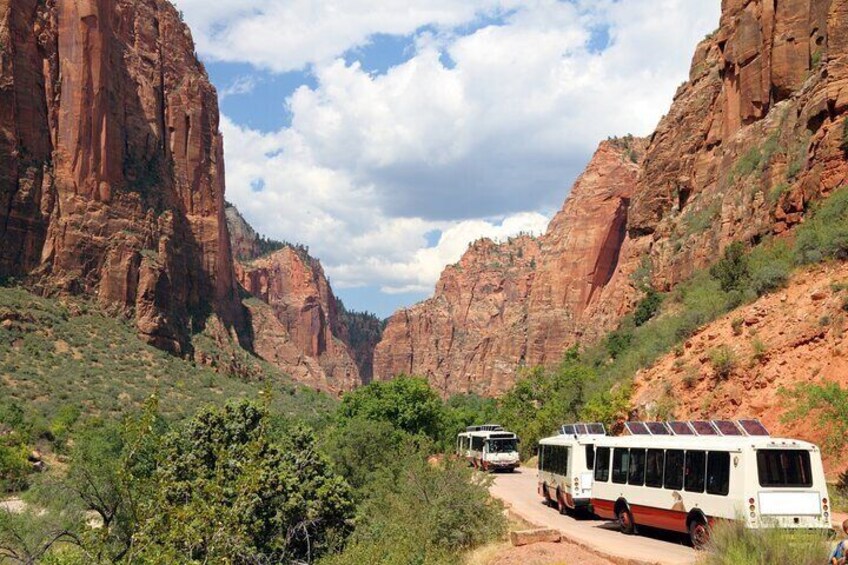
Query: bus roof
x=570, y=439
x=717, y=443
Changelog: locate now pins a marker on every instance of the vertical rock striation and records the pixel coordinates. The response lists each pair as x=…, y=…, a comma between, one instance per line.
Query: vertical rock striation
x=111, y=163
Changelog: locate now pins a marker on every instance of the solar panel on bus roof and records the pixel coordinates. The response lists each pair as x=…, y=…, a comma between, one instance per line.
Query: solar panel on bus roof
x=657, y=428
x=637, y=428
x=728, y=428
x=568, y=429
x=580, y=429
x=704, y=428
x=596, y=429
x=681, y=428
x=754, y=428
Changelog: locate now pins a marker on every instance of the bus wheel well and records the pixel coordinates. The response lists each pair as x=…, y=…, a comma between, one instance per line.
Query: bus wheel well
x=696, y=516
x=621, y=505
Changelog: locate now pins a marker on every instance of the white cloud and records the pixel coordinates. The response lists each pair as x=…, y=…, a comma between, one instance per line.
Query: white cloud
x=485, y=146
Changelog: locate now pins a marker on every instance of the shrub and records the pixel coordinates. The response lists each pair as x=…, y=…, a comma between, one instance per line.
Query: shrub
x=731, y=543
x=648, y=307
x=723, y=360
x=14, y=467
x=408, y=403
x=748, y=163
x=824, y=235
x=736, y=325
x=732, y=271
x=270, y=502
x=827, y=401
x=760, y=350
x=618, y=342
x=424, y=513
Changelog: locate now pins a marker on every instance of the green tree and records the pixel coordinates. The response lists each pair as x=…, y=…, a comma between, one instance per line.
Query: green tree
x=732, y=271
x=408, y=403
x=828, y=401
x=225, y=493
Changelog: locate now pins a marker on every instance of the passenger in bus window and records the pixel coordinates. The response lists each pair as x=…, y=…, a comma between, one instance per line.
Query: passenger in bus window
x=840, y=552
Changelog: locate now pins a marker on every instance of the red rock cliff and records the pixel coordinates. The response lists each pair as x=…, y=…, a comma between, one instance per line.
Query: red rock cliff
x=522, y=302
x=304, y=317
x=111, y=166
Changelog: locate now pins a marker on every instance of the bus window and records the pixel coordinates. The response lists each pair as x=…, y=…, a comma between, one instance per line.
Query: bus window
x=590, y=457
x=563, y=461
x=696, y=465
x=784, y=468
x=620, y=465
x=718, y=473
x=673, y=469
x=477, y=443
x=541, y=462
x=637, y=467
x=654, y=468
x=602, y=464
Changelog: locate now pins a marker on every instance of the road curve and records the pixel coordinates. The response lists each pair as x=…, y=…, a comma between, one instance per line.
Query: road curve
x=518, y=490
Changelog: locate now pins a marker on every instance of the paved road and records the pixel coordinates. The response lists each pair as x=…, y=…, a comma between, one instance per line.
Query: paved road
x=601, y=537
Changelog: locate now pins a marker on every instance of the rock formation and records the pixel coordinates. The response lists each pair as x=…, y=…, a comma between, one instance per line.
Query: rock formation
x=756, y=134
x=111, y=165
x=293, y=284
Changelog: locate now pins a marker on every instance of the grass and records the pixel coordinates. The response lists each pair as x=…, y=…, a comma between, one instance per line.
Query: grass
x=723, y=360
x=731, y=543
x=58, y=354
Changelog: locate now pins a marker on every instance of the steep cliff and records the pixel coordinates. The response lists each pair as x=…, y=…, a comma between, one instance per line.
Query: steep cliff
x=757, y=134
x=293, y=284
x=111, y=166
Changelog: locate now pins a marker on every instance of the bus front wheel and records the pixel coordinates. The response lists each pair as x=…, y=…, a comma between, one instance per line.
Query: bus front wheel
x=625, y=521
x=699, y=533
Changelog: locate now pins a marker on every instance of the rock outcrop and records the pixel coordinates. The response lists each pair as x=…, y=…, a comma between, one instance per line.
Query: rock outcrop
x=757, y=134
x=111, y=165
x=306, y=316
x=521, y=302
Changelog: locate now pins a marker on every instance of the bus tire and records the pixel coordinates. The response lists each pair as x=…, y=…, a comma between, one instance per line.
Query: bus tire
x=548, y=502
x=562, y=507
x=625, y=520
x=699, y=532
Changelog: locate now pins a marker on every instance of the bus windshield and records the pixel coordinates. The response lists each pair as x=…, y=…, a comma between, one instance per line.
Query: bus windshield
x=784, y=468
x=502, y=445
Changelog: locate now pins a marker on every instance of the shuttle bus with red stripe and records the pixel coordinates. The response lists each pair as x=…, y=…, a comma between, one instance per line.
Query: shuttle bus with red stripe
x=489, y=448
x=685, y=476
x=565, y=467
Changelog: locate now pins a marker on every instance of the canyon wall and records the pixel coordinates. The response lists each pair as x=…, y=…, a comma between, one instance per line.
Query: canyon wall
x=522, y=302
x=753, y=138
x=111, y=164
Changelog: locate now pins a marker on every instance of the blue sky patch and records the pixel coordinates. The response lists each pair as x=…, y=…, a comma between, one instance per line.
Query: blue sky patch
x=380, y=303
x=382, y=52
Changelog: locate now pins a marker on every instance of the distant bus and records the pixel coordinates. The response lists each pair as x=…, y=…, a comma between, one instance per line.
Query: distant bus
x=489, y=448
x=684, y=476
x=565, y=467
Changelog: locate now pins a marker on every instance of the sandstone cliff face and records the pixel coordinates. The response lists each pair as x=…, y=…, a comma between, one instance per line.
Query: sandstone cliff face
x=471, y=336
x=111, y=167
x=304, y=318
x=755, y=135
x=522, y=302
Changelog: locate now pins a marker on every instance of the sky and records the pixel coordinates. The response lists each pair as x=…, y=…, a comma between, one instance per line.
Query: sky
x=386, y=135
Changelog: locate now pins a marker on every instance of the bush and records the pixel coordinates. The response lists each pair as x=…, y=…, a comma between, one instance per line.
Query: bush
x=270, y=502
x=14, y=467
x=407, y=403
x=618, y=342
x=731, y=543
x=824, y=236
x=827, y=401
x=732, y=271
x=424, y=512
x=648, y=307
x=723, y=360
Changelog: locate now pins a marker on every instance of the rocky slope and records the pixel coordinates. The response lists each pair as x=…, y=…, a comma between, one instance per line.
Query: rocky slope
x=521, y=302
x=755, y=135
x=794, y=336
x=111, y=166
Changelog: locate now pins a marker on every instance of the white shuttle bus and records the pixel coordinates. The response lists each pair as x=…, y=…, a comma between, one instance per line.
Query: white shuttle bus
x=489, y=448
x=566, y=464
x=685, y=476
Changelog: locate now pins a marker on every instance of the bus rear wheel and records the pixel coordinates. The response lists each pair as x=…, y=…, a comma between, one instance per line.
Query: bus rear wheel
x=699, y=533
x=625, y=521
